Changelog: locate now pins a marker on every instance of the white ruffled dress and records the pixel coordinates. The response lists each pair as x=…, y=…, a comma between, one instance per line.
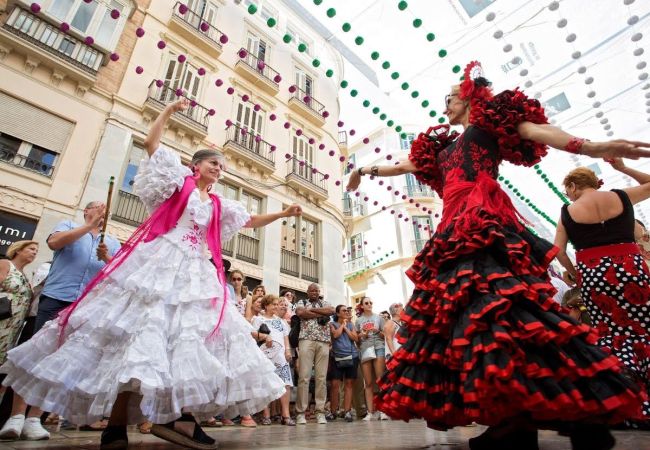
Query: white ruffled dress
x=146, y=329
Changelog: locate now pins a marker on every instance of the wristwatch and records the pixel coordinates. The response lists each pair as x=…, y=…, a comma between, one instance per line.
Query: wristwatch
x=359, y=171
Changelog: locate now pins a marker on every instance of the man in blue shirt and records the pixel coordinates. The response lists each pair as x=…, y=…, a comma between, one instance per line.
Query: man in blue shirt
x=78, y=256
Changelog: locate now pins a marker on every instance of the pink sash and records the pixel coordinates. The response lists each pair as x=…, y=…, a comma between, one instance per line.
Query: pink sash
x=161, y=221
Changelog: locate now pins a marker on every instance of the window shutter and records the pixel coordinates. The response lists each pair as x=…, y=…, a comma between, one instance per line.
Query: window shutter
x=27, y=122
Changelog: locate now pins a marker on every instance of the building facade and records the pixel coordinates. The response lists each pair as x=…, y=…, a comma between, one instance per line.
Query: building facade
x=96, y=121
x=388, y=222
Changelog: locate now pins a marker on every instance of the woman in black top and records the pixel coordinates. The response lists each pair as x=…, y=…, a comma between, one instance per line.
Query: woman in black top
x=613, y=276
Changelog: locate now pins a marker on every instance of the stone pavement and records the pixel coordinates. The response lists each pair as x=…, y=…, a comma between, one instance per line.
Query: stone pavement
x=337, y=435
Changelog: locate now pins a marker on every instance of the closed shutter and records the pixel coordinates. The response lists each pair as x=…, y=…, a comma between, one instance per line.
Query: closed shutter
x=27, y=123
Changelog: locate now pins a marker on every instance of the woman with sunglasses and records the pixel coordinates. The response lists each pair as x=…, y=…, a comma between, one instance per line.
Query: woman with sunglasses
x=483, y=340
x=372, y=349
x=237, y=280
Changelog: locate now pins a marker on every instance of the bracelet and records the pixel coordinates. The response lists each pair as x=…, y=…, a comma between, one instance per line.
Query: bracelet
x=575, y=145
x=359, y=171
x=374, y=171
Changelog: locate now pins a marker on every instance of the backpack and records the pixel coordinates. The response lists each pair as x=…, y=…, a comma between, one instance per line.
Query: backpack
x=294, y=333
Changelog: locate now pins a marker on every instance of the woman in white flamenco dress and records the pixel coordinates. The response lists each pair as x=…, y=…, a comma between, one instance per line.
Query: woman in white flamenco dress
x=155, y=339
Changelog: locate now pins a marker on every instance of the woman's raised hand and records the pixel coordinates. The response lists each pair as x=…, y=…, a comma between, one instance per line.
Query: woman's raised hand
x=293, y=210
x=179, y=105
x=354, y=181
x=618, y=148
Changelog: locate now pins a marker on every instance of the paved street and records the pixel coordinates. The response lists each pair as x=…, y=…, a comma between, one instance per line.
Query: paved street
x=337, y=435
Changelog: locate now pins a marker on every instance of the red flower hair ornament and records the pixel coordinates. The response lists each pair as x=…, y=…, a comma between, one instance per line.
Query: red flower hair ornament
x=474, y=85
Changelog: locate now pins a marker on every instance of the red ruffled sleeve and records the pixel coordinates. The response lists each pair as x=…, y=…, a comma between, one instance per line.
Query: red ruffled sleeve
x=500, y=116
x=424, y=152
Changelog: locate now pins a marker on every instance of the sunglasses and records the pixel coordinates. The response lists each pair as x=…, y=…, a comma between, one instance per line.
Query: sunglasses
x=367, y=303
x=237, y=279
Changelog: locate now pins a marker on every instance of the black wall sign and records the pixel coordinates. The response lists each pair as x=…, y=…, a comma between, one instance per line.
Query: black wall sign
x=14, y=228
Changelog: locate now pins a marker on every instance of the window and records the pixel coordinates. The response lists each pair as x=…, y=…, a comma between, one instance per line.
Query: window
x=422, y=235
x=181, y=75
x=303, y=151
x=356, y=246
x=200, y=11
x=246, y=245
x=93, y=18
x=135, y=157
x=27, y=155
x=416, y=189
x=304, y=82
x=298, y=38
x=250, y=119
x=405, y=143
x=257, y=47
x=300, y=237
x=351, y=160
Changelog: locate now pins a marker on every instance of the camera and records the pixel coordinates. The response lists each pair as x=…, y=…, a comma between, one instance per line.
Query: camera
x=324, y=320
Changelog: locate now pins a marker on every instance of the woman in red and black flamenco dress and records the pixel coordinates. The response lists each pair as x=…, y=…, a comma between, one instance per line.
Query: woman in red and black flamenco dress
x=483, y=339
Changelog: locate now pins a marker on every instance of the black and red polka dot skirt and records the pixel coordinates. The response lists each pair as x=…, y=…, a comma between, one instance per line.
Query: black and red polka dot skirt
x=484, y=341
x=615, y=287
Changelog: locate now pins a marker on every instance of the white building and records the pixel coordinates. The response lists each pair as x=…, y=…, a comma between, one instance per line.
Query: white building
x=115, y=118
x=385, y=231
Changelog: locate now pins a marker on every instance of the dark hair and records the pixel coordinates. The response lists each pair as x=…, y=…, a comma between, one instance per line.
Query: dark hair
x=338, y=308
x=205, y=154
x=384, y=312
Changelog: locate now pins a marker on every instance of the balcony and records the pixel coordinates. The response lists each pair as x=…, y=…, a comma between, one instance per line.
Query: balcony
x=38, y=38
x=199, y=32
x=250, y=148
x=417, y=245
x=258, y=72
x=343, y=139
x=305, y=178
x=129, y=209
x=352, y=208
x=10, y=156
x=248, y=248
x=228, y=247
x=292, y=263
x=355, y=264
x=309, y=269
x=419, y=190
x=307, y=106
x=289, y=262
x=194, y=119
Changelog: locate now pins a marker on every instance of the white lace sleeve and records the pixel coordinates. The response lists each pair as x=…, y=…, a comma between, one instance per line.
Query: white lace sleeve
x=233, y=217
x=158, y=177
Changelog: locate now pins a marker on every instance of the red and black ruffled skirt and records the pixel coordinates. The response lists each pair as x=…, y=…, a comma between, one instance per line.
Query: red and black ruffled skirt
x=484, y=340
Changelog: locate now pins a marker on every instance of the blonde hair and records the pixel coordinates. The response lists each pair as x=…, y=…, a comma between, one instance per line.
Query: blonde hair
x=17, y=247
x=268, y=299
x=582, y=177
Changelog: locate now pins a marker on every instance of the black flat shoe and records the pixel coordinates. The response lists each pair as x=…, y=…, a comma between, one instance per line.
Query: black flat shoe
x=114, y=438
x=505, y=438
x=198, y=441
x=592, y=437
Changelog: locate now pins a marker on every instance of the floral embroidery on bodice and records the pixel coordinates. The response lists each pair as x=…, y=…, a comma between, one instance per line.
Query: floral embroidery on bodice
x=190, y=232
x=474, y=151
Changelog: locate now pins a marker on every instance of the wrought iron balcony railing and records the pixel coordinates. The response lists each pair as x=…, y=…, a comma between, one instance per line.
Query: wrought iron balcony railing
x=10, y=156
x=198, y=114
x=306, y=172
x=201, y=26
x=309, y=101
x=43, y=35
x=251, y=142
x=260, y=67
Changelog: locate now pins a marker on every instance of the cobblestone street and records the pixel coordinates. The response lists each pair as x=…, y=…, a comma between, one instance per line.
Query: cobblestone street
x=336, y=435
